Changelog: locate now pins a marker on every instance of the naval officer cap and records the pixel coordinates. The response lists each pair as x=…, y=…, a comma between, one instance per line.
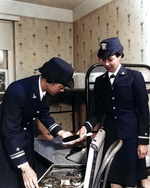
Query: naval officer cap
x=109, y=47
x=59, y=71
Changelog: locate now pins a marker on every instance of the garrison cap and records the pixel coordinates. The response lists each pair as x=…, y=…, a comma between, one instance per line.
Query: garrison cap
x=58, y=70
x=109, y=47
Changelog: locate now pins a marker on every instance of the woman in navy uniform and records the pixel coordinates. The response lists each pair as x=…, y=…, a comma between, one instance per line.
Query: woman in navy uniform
x=24, y=102
x=124, y=101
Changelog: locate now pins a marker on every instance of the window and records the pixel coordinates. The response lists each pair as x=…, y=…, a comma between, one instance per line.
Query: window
x=7, y=72
x=3, y=70
x=3, y=59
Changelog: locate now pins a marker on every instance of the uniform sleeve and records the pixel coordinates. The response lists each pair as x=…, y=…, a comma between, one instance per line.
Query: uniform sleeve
x=142, y=108
x=49, y=122
x=99, y=109
x=45, y=117
x=11, y=120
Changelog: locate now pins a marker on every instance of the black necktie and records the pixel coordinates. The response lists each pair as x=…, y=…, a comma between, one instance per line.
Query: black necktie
x=112, y=80
x=112, y=76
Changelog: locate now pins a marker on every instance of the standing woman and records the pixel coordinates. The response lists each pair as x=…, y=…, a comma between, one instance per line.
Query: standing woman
x=121, y=95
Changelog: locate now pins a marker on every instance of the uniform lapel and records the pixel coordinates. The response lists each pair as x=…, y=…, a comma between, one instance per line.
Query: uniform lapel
x=106, y=79
x=35, y=99
x=121, y=75
x=34, y=96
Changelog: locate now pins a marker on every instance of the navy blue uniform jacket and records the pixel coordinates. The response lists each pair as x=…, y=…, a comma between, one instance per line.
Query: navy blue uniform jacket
x=20, y=107
x=125, y=105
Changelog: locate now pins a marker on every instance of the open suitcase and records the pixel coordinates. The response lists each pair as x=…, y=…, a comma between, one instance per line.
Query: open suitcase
x=62, y=176
x=79, y=175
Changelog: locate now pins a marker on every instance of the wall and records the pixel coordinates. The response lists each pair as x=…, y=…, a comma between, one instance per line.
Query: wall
x=127, y=19
x=38, y=40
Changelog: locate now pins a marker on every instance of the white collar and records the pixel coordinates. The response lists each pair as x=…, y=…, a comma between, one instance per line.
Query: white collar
x=115, y=73
x=42, y=94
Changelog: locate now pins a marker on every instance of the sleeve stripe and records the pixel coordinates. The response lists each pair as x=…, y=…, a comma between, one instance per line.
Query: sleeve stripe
x=89, y=124
x=143, y=137
x=17, y=155
x=53, y=127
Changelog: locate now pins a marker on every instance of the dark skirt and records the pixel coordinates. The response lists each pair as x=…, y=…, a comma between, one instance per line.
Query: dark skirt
x=126, y=168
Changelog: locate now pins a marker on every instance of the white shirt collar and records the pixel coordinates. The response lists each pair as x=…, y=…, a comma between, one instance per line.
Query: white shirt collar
x=115, y=73
x=42, y=94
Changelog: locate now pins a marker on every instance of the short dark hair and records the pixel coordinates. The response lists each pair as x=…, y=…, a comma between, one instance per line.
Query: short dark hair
x=48, y=80
x=120, y=53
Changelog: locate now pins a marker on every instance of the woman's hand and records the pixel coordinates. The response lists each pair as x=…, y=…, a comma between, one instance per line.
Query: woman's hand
x=142, y=151
x=82, y=132
x=29, y=177
x=64, y=134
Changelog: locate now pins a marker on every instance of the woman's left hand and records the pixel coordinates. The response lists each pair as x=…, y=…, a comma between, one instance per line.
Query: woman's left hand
x=142, y=151
x=64, y=134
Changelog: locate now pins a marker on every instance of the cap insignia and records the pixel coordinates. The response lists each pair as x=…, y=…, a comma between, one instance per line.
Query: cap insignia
x=104, y=46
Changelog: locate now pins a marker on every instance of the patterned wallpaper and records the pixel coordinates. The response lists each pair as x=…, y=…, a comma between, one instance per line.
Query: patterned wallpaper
x=38, y=40
x=126, y=19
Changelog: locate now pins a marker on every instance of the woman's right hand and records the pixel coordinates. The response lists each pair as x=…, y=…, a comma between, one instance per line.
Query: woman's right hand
x=29, y=177
x=82, y=132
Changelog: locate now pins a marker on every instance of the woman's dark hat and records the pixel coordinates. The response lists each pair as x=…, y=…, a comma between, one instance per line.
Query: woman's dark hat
x=109, y=47
x=58, y=70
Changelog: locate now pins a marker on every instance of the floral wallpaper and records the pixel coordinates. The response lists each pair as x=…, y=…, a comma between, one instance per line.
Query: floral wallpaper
x=38, y=40
x=126, y=19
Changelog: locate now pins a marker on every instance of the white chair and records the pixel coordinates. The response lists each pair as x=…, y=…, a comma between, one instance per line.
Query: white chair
x=95, y=165
x=106, y=164
x=94, y=158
